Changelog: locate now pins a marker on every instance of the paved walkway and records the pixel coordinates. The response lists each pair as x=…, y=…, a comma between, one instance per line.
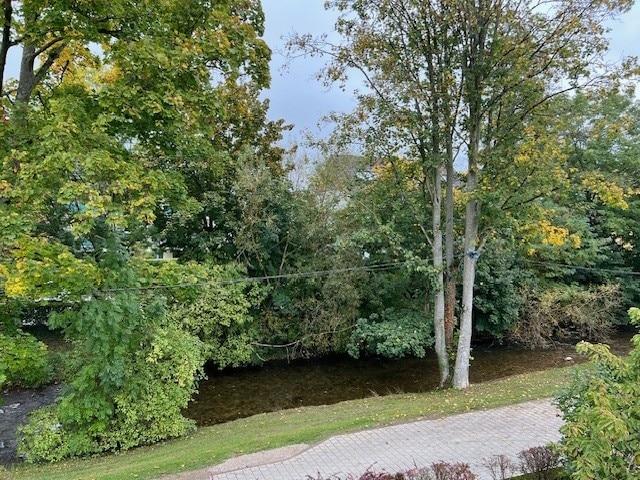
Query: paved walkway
x=469, y=437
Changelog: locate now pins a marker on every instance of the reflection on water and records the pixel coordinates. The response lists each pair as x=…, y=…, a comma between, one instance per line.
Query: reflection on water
x=275, y=386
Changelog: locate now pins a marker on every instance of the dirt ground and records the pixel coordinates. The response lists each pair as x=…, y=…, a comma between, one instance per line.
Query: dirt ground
x=14, y=411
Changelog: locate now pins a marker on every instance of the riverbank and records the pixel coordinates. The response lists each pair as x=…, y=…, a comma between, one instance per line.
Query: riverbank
x=213, y=445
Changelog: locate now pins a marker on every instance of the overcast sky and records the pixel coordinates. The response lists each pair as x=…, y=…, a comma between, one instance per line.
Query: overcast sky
x=301, y=100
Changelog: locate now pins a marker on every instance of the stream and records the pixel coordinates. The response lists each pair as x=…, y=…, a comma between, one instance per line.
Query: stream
x=232, y=394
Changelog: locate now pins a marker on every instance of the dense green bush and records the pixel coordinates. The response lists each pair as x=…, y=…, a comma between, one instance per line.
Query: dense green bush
x=498, y=300
x=43, y=438
x=601, y=434
x=393, y=333
x=133, y=374
x=23, y=360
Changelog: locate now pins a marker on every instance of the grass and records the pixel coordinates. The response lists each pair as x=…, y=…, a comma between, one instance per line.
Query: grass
x=212, y=445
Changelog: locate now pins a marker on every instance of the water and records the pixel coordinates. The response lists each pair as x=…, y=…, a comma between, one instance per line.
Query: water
x=278, y=385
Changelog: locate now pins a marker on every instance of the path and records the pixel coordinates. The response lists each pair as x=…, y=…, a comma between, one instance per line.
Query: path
x=468, y=437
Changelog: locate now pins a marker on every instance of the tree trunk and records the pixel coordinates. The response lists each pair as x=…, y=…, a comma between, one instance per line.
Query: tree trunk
x=27, y=80
x=463, y=357
x=6, y=42
x=472, y=213
x=450, y=272
x=439, y=305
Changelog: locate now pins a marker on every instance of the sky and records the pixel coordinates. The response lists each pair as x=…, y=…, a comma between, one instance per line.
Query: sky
x=301, y=100
x=295, y=94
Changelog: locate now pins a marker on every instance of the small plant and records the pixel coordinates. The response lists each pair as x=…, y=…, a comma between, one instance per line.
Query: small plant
x=437, y=471
x=369, y=475
x=451, y=471
x=539, y=461
x=601, y=434
x=319, y=476
x=500, y=467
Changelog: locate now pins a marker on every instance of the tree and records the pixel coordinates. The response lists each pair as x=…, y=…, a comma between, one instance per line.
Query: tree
x=117, y=108
x=514, y=59
x=407, y=112
x=443, y=75
x=112, y=134
x=604, y=162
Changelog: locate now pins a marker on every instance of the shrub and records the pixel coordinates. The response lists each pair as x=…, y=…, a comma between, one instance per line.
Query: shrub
x=43, y=437
x=601, y=434
x=566, y=311
x=3, y=380
x=539, y=461
x=221, y=319
x=394, y=333
x=500, y=467
x=451, y=471
x=497, y=300
x=133, y=374
x=369, y=475
x=437, y=471
x=24, y=360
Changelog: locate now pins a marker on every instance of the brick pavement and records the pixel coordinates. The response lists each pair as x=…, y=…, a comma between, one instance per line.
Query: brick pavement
x=469, y=437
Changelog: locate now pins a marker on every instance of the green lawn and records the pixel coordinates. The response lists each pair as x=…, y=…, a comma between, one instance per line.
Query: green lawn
x=212, y=445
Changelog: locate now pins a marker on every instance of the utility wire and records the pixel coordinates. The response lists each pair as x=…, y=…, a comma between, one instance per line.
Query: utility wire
x=316, y=273
x=379, y=267
x=362, y=268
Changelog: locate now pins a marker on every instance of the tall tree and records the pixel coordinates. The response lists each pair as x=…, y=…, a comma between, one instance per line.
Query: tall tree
x=124, y=106
x=117, y=108
x=444, y=75
x=516, y=56
x=408, y=110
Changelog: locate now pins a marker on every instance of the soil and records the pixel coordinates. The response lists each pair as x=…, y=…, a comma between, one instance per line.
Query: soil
x=14, y=411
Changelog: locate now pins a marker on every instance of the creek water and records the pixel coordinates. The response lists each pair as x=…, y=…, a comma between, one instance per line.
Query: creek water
x=238, y=393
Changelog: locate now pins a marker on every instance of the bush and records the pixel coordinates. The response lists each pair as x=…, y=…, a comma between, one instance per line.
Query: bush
x=133, y=374
x=500, y=467
x=3, y=380
x=601, y=434
x=539, y=461
x=24, y=361
x=43, y=438
x=451, y=471
x=497, y=292
x=564, y=312
x=394, y=333
x=437, y=471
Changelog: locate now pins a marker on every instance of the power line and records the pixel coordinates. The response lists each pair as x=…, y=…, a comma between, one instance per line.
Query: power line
x=362, y=268
x=379, y=267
